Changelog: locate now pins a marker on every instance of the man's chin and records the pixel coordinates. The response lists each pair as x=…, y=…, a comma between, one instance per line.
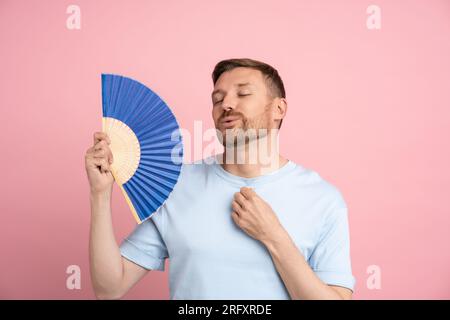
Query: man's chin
x=237, y=136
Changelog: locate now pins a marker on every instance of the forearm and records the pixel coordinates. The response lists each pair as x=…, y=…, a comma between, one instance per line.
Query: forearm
x=105, y=258
x=298, y=277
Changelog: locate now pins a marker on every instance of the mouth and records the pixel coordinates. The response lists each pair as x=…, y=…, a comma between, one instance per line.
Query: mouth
x=229, y=124
x=229, y=121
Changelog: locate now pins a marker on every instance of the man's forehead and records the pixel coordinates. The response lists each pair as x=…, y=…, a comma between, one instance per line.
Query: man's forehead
x=241, y=75
x=238, y=77
x=237, y=85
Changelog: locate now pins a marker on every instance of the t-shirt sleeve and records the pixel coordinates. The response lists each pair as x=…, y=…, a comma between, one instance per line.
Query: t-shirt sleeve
x=145, y=246
x=330, y=259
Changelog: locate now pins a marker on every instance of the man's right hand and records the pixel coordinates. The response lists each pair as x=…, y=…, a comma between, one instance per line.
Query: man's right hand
x=98, y=159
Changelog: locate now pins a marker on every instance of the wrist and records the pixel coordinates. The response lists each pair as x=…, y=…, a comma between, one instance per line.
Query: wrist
x=100, y=204
x=276, y=239
x=100, y=196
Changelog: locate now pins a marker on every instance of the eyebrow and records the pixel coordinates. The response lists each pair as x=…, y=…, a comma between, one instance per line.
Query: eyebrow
x=236, y=85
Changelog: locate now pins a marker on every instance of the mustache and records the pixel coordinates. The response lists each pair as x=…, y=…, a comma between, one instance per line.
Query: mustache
x=231, y=114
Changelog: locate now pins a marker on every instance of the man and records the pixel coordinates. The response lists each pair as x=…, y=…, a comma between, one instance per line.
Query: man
x=242, y=227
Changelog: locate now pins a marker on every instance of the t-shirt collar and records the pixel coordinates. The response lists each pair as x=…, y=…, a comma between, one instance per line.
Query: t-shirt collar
x=264, y=178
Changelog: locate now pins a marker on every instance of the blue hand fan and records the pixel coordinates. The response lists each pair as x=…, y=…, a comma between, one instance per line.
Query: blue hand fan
x=145, y=141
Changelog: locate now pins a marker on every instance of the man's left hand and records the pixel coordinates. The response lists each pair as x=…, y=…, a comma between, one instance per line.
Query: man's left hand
x=255, y=216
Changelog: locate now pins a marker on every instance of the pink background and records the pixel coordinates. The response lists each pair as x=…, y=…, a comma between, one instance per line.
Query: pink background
x=369, y=110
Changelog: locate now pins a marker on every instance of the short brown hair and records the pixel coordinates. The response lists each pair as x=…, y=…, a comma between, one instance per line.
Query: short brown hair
x=273, y=79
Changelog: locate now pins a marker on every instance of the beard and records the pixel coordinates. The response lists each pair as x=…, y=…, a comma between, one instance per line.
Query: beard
x=245, y=130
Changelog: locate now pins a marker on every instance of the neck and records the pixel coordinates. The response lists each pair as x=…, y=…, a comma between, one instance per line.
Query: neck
x=253, y=158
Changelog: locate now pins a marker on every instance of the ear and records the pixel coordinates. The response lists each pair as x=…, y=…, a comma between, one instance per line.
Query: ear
x=280, y=109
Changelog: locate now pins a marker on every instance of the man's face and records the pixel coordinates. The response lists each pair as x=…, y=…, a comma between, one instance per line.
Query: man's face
x=242, y=101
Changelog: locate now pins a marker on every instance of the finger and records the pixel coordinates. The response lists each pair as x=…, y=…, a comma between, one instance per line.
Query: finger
x=248, y=193
x=235, y=217
x=101, y=153
x=110, y=156
x=89, y=152
x=105, y=166
x=237, y=208
x=101, y=145
x=99, y=136
x=102, y=163
x=239, y=198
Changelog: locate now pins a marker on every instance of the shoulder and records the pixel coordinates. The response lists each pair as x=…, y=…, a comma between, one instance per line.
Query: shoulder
x=195, y=169
x=326, y=191
x=192, y=178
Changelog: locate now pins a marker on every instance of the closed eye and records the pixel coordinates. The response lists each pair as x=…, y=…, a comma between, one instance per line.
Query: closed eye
x=239, y=95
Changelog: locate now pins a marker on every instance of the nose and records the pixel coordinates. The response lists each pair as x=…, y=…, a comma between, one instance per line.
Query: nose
x=228, y=104
x=226, y=107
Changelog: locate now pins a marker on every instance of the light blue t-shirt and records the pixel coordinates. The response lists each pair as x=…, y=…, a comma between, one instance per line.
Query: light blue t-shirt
x=210, y=257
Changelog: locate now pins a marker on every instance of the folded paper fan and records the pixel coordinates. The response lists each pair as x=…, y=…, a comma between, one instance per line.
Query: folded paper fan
x=145, y=141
